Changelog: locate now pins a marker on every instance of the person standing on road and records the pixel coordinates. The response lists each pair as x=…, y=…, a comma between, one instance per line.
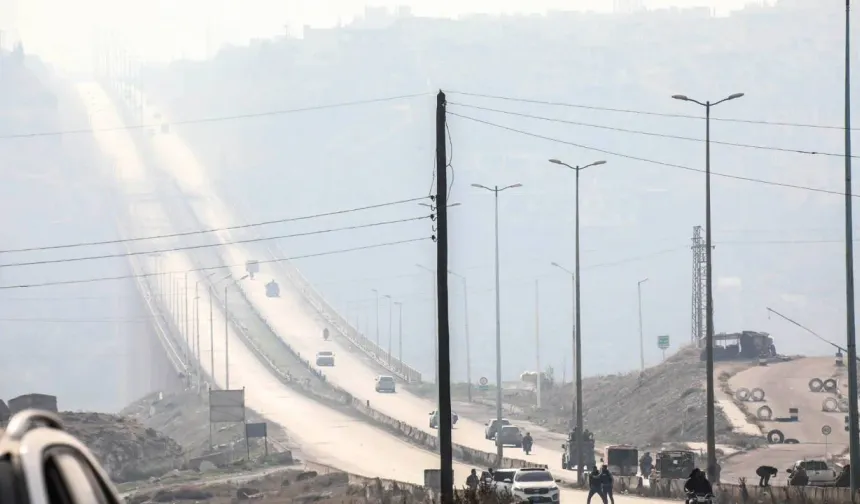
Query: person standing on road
x=472, y=480
x=595, y=486
x=606, y=481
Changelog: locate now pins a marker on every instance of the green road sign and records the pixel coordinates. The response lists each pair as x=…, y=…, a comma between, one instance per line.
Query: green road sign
x=663, y=342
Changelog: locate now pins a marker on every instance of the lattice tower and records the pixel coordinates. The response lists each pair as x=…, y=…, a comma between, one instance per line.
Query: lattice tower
x=698, y=318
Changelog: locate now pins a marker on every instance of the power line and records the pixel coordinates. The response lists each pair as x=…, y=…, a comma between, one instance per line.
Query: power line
x=651, y=133
x=253, y=115
x=652, y=161
x=209, y=268
x=207, y=245
x=77, y=321
x=214, y=230
x=649, y=113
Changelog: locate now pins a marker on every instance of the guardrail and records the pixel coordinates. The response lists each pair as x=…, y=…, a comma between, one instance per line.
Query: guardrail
x=331, y=317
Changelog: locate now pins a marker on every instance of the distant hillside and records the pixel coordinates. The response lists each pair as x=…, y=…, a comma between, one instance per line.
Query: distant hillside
x=665, y=405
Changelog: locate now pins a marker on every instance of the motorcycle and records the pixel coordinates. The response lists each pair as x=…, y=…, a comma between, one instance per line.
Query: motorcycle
x=700, y=498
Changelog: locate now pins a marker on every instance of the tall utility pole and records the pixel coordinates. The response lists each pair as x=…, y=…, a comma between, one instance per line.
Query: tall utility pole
x=189, y=342
x=466, y=322
x=641, y=336
x=537, y=340
x=579, y=419
x=499, y=449
x=709, y=324
x=197, y=364
x=444, y=362
x=853, y=431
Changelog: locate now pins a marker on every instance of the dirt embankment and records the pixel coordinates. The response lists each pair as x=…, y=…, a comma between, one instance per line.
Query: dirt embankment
x=126, y=449
x=664, y=404
x=184, y=416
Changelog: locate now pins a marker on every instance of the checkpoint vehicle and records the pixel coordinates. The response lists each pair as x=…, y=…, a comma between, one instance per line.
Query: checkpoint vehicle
x=325, y=358
x=386, y=383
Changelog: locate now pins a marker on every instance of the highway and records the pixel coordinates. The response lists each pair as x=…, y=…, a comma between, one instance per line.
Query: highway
x=323, y=434
x=294, y=320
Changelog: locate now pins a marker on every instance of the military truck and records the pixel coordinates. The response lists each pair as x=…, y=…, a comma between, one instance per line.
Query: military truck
x=675, y=464
x=568, y=457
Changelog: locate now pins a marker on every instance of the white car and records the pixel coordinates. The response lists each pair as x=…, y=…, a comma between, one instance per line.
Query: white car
x=385, y=383
x=819, y=472
x=325, y=358
x=535, y=485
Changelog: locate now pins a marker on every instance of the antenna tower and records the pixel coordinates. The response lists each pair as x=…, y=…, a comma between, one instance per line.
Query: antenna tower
x=698, y=318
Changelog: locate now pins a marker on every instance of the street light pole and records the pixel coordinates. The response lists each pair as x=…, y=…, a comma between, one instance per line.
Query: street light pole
x=499, y=449
x=466, y=323
x=399, y=334
x=641, y=337
x=435, y=326
x=573, y=322
x=390, y=316
x=579, y=419
x=537, y=340
x=709, y=311
x=376, y=292
x=188, y=341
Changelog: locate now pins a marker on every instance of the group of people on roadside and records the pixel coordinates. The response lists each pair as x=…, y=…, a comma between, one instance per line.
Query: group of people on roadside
x=600, y=483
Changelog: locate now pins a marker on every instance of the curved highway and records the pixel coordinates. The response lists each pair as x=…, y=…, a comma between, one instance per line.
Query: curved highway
x=324, y=434
x=293, y=320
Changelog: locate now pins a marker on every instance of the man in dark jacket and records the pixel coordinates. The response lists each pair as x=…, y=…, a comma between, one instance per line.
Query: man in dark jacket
x=765, y=473
x=606, y=482
x=595, y=486
x=698, y=484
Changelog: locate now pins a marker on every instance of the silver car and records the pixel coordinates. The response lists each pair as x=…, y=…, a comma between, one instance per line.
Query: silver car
x=385, y=383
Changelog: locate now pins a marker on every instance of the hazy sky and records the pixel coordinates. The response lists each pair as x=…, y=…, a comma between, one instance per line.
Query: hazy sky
x=167, y=29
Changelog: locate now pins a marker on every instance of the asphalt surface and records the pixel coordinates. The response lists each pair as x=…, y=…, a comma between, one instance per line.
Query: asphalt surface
x=293, y=320
x=326, y=435
x=786, y=386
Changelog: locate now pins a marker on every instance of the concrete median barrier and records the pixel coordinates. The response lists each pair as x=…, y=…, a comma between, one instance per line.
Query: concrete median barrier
x=732, y=493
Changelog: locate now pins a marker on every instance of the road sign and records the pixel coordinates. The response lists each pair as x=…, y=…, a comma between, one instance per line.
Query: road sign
x=663, y=342
x=483, y=383
x=826, y=430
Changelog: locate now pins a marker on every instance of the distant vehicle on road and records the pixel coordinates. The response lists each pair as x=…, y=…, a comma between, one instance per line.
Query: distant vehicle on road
x=675, y=464
x=510, y=435
x=492, y=426
x=325, y=358
x=434, y=419
x=385, y=383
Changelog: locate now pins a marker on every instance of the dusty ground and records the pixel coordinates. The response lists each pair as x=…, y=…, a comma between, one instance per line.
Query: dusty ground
x=184, y=417
x=665, y=405
x=281, y=486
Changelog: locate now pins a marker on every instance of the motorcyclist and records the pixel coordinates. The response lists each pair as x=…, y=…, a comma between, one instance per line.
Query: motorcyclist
x=325, y=333
x=595, y=486
x=472, y=480
x=527, y=442
x=697, y=484
x=606, y=481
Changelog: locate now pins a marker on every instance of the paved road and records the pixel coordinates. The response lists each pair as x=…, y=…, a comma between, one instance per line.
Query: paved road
x=325, y=435
x=293, y=319
x=786, y=386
